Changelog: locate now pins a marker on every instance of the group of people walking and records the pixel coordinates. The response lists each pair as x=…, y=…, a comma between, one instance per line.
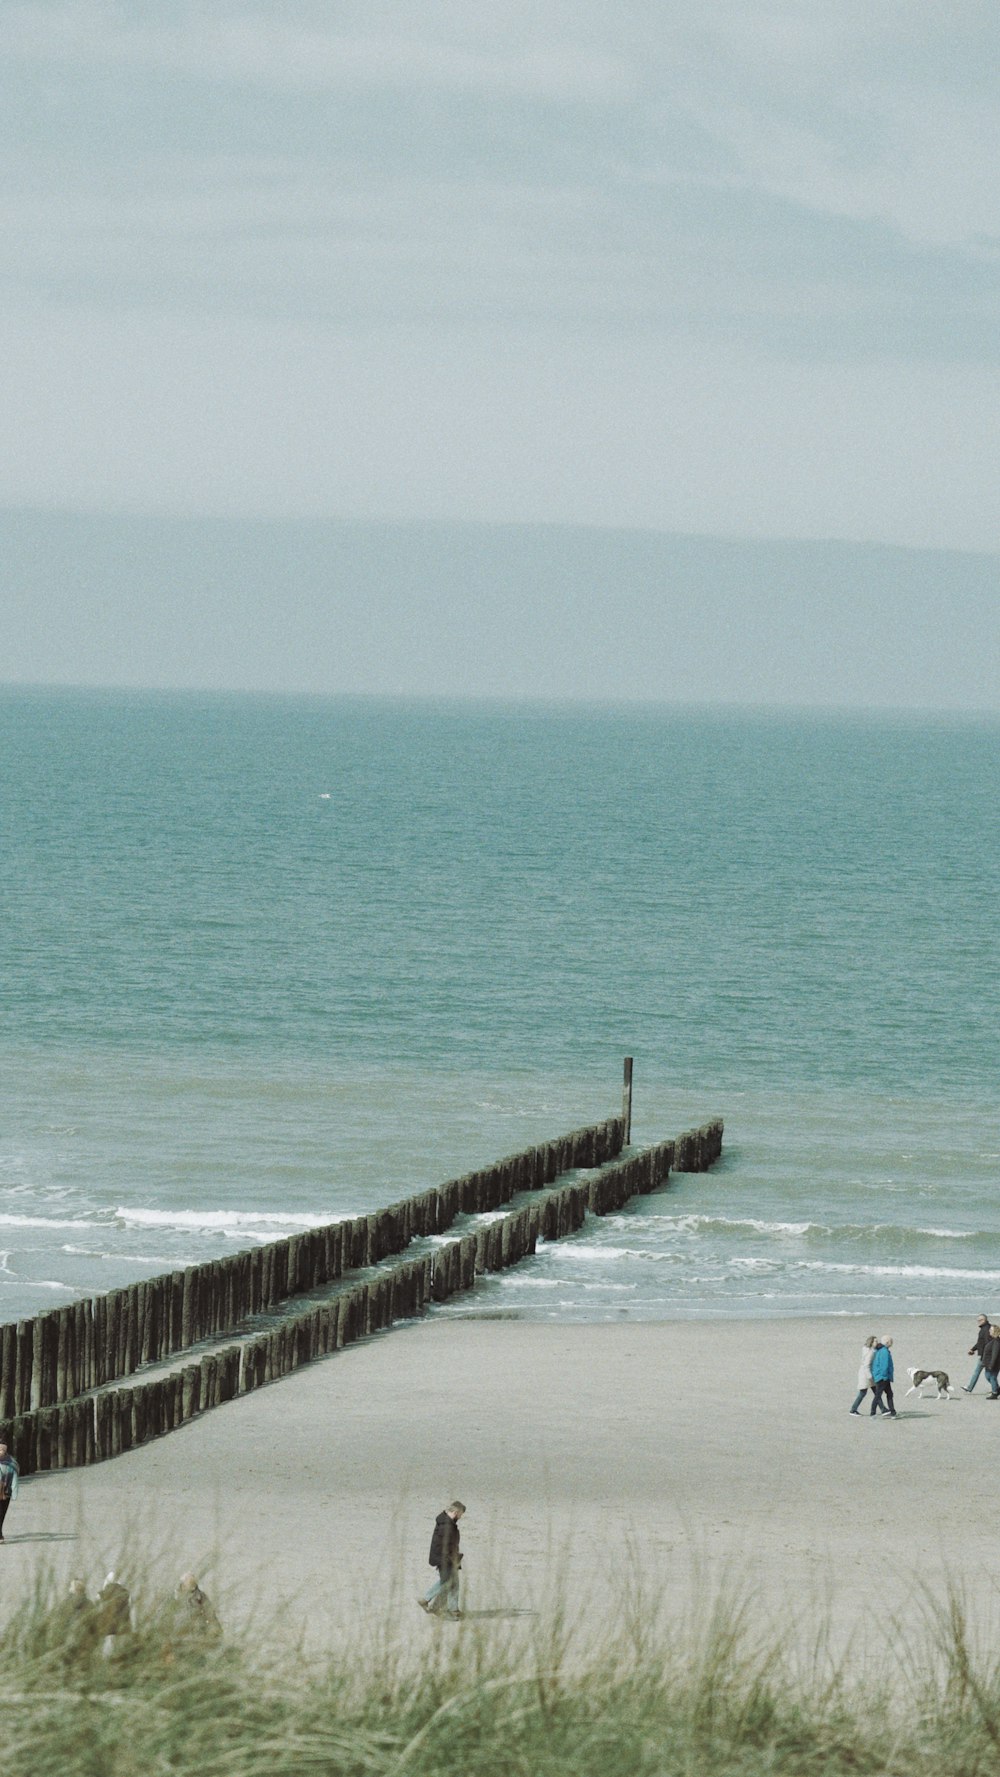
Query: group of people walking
x=986, y=1352
x=875, y=1373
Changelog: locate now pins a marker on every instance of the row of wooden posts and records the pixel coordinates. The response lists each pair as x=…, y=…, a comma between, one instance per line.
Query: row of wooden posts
x=70, y=1350
x=129, y=1328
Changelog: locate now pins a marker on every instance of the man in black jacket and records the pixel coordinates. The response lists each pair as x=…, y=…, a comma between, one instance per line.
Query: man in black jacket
x=976, y=1351
x=991, y=1362
x=446, y=1556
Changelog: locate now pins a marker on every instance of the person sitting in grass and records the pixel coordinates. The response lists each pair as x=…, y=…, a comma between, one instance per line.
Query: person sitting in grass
x=194, y=1614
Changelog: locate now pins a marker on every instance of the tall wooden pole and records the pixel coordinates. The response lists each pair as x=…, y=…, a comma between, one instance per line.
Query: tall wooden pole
x=627, y=1100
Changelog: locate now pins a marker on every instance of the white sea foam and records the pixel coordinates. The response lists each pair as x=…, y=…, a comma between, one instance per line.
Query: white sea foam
x=8, y=1221
x=592, y=1253
x=536, y=1283
x=699, y=1224
x=709, y=1224
x=611, y=1287
x=929, y=1271
x=167, y=1262
x=49, y=1283
x=222, y=1221
x=953, y=1233
x=755, y=1224
x=586, y=1252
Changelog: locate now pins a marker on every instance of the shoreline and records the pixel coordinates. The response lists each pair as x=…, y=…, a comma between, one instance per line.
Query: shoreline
x=709, y=1452
x=447, y=1310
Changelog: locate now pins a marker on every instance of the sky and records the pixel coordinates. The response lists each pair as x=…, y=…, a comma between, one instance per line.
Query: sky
x=727, y=271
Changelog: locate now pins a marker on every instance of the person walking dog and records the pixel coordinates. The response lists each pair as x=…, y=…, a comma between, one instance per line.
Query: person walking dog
x=10, y=1476
x=446, y=1556
x=882, y=1373
x=976, y=1351
x=991, y=1362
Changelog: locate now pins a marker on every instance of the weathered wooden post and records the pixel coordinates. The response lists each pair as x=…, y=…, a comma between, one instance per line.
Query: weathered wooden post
x=8, y=1370
x=627, y=1100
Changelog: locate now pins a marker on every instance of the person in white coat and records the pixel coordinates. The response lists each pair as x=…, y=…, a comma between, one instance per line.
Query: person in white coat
x=865, y=1371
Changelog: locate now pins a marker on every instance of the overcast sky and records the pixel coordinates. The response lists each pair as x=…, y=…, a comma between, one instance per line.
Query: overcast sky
x=701, y=267
x=728, y=269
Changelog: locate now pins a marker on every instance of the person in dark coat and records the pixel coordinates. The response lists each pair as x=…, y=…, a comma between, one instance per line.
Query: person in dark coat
x=442, y=1597
x=991, y=1362
x=976, y=1351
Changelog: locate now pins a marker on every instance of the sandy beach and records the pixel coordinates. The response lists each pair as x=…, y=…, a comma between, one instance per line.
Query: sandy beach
x=667, y=1455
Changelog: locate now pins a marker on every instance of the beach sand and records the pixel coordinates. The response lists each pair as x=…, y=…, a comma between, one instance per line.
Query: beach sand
x=628, y=1460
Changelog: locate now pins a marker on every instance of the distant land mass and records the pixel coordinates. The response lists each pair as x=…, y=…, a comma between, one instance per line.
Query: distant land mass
x=493, y=611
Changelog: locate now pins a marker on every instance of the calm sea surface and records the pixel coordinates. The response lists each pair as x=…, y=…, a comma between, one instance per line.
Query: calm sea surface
x=267, y=962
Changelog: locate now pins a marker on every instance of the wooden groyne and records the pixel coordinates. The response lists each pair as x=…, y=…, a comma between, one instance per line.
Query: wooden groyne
x=72, y=1385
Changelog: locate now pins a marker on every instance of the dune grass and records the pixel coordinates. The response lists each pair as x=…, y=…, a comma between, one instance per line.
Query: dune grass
x=710, y=1698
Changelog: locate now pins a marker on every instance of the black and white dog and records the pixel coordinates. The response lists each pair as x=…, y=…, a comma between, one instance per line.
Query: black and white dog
x=945, y=1392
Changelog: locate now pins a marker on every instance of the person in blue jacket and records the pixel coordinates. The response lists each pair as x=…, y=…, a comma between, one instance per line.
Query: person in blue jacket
x=882, y=1373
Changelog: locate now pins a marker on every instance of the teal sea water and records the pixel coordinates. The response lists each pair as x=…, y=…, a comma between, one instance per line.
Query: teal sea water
x=266, y=962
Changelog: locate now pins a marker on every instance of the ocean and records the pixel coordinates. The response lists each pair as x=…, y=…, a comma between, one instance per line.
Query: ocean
x=271, y=961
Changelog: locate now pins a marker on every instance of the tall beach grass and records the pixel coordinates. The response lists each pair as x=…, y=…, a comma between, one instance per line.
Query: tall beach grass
x=623, y=1694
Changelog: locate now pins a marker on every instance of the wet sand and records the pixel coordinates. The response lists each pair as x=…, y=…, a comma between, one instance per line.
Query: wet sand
x=652, y=1459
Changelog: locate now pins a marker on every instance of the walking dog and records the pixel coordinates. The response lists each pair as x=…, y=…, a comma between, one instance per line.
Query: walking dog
x=945, y=1392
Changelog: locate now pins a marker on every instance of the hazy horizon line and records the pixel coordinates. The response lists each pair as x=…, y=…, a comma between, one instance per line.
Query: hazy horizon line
x=356, y=521
x=555, y=703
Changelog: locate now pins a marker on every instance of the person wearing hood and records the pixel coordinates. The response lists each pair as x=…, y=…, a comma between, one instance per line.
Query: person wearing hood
x=976, y=1351
x=10, y=1476
x=112, y=1613
x=73, y=1623
x=882, y=1373
x=865, y=1371
x=190, y=1620
x=991, y=1362
x=194, y=1612
x=445, y=1555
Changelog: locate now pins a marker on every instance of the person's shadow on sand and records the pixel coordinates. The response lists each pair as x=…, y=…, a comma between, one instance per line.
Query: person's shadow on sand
x=42, y=1536
x=480, y=1616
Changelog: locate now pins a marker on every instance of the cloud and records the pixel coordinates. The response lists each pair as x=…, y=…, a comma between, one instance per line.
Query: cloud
x=173, y=414
x=925, y=175
x=694, y=208
x=848, y=113
x=347, y=243
x=268, y=47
